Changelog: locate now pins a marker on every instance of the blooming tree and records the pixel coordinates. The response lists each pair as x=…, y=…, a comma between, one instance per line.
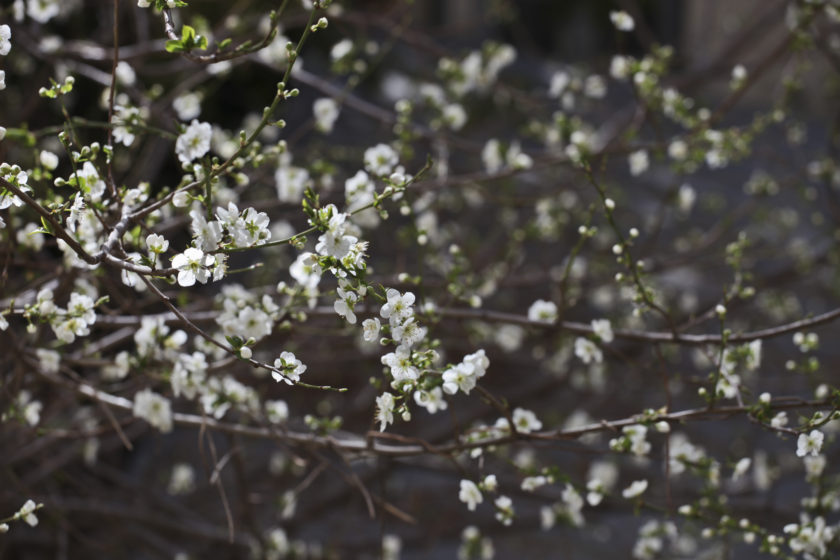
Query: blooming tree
x=271, y=272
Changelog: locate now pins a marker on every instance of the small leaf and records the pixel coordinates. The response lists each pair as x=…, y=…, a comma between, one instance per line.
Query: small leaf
x=174, y=46
x=187, y=35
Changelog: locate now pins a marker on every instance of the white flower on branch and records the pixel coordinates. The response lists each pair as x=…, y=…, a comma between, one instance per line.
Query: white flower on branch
x=43, y=11
x=409, y=332
x=636, y=489
x=431, y=400
x=603, y=330
x=290, y=368
x=385, y=410
x=194, y=142
x=27, y=513
x=461, y=376
x=277, y=411
x=543, y=311
x=305, y=271
x=622, y=20
x=182, y=480
x=154, y=409
x=399, y=361
x=187, y=106
x=639, y=162
x=398, y=307
x=371, y=329
x=334, y=242
x=504, y=510
x=470, y=494
x=5, y=39
x=381, y=160
x=588, y=351
x=207, y=234
x=526, y=421
x=192, y=266
x=325, y=111
x=344, y=304
x=809, y=444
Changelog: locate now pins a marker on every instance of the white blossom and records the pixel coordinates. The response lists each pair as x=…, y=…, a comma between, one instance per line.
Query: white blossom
x=125, y=73
x=385, y=410
x=154, y=409
x=381, y=159
x=305, y=270
x=470, y=494
x=49, y=360
x=48, y=159
x=543, y=312
x=682, y=453
x=290, y=366
x=326, y=112
x=398, y=307
x=526, y=421
x=461, y=376
x=291, y=182
x=635, y=489
x=182, y=480
x=432, y=400
x=43, y=11
x=391, y=547
x=639, y=162
x=5, y=39
x=344, y=304
x=371, y=329
x=814, y=466
x=409, y=332
x=686, y=196
x=602, y=478
x=504, y=510
x=276, y=411
x=341, y=49
x=531, y=483
x=454, y=116
x=192, y=266
x=399, y=361
x=595, y=87
x=603, y=329
x=27, y=513
x=620, y=67
x=187, y=106
x=588, y=351
x=156, y=243
x=678, y=150
x=194, y=142
x=491, y=155
x=809, y=444
x=741, y=467
x=622, y=20
x=739, y=75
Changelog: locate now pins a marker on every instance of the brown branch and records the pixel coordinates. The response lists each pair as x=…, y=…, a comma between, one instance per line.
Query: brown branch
x=371, y=444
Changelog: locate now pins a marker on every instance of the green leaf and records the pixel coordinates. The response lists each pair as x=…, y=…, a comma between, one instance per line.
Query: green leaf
x=187, y=35
x=174, y=46
x=45, y=226
x=189, y=41
x=234, y=341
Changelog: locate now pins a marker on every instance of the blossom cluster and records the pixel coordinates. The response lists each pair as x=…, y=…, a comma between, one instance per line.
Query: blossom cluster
x=176, y=263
